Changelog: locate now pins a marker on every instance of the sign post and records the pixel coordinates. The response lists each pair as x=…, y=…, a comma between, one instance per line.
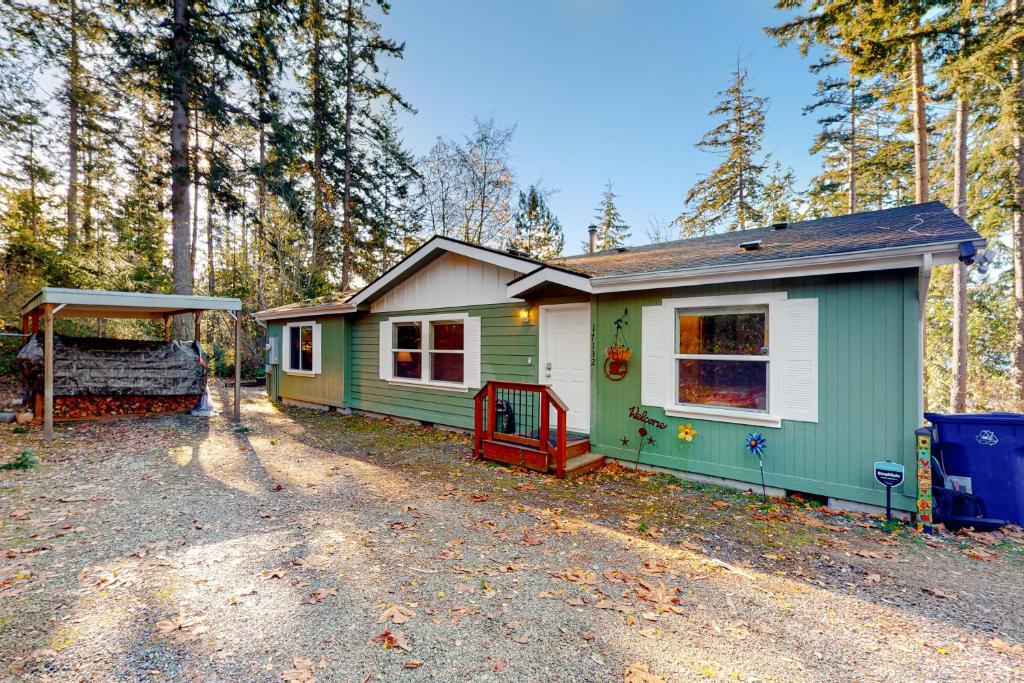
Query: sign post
x=888, y=474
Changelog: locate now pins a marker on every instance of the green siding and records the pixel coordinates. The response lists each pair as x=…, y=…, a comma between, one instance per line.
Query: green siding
x=327, y=388
x=508, y=351
x=868, y=370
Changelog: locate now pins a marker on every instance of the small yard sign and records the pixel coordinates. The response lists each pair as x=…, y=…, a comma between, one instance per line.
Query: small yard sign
x=888, y=474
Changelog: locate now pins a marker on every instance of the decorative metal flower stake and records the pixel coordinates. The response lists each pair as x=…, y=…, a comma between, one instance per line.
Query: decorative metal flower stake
x=687, y=432
x=757, y=445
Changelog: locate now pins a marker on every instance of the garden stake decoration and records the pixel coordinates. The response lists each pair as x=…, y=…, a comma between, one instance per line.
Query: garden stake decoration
x=687, y=432
x=756, y=444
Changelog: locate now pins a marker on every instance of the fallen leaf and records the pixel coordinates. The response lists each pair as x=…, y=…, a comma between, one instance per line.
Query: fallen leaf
x=478, y=498
x=575, y=601
x=1000, y=645
x=318, y=595
x=979, y=554
x=397, y=614
x=301, y=671
x=529, y=539
x=389, y=640
x=720, y=504
x=641, y=673
x=412, y=664
x=872, y=579
x=499, y=665
x=937, y=593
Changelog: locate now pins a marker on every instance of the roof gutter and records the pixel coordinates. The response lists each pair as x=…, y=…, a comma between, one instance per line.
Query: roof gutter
x=872, y=259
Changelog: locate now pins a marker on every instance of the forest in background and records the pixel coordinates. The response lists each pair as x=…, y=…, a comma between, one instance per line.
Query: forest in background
x=252, y=148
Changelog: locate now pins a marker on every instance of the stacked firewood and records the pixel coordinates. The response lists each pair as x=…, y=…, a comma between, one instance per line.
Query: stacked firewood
x=90, y=407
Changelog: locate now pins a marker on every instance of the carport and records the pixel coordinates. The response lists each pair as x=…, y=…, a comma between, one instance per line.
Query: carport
x=51, y=303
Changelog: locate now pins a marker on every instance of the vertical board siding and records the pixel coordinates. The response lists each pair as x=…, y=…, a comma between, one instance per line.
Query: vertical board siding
x=327, y=388
x=453, y=279
x=867, y=392
x=508, y=351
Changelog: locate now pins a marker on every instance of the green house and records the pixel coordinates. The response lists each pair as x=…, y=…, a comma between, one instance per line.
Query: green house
x=664, y=356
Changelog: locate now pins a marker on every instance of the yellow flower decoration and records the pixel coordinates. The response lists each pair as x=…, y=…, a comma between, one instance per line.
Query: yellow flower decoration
x=687, y=432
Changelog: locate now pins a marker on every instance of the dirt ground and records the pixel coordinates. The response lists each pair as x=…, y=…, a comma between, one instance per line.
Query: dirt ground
x=311, y=545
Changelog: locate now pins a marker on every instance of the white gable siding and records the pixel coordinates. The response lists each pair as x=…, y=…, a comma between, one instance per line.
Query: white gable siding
x=452, y=280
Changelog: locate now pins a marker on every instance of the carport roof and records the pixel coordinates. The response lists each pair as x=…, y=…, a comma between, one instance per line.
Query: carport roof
x=96, y=303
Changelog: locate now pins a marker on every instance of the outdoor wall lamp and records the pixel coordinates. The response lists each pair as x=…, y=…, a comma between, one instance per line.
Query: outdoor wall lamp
x=524, y=315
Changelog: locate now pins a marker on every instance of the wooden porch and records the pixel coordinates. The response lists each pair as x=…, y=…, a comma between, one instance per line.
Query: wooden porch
x=513, y=425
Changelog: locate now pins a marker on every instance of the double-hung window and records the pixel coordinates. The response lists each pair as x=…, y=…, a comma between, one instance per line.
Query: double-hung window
x=436, y=350
x=722, y=357
x=748, y=359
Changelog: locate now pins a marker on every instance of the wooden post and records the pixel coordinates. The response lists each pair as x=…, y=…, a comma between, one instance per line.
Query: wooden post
x=238, y=366
x=491, y=410
x=167, y=328
x=560, y=452
x=198, y=316
x=35, y=323
x=48, y=375
x=24, y=325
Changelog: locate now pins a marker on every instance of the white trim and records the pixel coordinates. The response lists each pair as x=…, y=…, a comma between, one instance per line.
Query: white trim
x=425, y=351
x=860, y=261
x=542, y=323
x=305, y=312
x=286, y=343
x=743, y=417
x=427, y=251
x=559, y=277
x=446, y=386
x=771, y=417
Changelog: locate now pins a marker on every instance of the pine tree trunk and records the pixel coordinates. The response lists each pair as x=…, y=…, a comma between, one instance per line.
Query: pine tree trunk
x=74, y=69
x=34, y=216
x=1017, y=74
x=958, y=385
x=180, y=191
x=194, y=242
x=347, y=238
x=261, y=214
x=210, y=203
x=852, y=151
x=319, y=213
x=920, y=122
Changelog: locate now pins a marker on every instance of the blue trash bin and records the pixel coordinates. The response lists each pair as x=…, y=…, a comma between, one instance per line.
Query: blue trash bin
x=986, y=452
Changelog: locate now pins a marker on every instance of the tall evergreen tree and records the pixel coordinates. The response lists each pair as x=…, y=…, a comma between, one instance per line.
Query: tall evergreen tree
x=612, y=230
x=535, y=230
x=731, y=196
x=780, y=195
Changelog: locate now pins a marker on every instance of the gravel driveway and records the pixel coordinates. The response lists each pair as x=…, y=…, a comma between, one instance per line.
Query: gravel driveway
x=318, y=546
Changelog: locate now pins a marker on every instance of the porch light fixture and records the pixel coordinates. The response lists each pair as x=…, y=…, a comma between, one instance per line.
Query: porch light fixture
x=524, y=314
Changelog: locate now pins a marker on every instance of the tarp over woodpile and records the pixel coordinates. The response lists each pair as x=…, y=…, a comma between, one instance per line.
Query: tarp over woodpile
x=88, y=366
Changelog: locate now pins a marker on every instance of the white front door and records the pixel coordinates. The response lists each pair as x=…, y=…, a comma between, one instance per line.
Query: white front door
x=565, y=359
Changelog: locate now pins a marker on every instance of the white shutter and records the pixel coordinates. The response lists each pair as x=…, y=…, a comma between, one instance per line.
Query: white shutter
x=656, y=356
x=799, y=359
x=385, y=350
x=471, y=346
x=317, y=349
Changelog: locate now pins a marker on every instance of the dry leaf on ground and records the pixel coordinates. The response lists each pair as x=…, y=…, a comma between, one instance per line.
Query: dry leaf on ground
x=391, y=639
x=301, y=671
x=397, y=614
x=641, y=673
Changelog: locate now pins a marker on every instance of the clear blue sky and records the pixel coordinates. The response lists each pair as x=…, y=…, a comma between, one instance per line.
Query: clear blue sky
x=598, y=90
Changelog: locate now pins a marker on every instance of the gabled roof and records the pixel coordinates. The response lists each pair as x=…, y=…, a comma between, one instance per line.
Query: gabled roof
x=906, y=226
x=332, y=304
x=431, y=250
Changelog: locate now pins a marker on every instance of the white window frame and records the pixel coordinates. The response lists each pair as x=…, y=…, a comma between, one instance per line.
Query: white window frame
x=766, y=418
x=426, y=351
x=286, y=345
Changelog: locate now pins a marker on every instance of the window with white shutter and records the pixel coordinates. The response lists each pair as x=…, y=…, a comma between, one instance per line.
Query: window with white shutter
x=748, y=358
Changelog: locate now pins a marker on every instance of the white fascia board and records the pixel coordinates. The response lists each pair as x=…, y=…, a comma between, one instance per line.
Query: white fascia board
x=437, y=244
x=542, y=275
x=308, y=312
x=862, y=261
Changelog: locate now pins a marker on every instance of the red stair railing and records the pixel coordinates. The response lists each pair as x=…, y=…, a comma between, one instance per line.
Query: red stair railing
x=529, y=406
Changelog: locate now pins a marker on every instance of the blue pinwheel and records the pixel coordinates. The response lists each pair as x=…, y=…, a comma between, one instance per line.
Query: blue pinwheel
x=756, y=444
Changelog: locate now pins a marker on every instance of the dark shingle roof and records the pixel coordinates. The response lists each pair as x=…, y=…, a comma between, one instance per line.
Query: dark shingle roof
x=905, y=226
